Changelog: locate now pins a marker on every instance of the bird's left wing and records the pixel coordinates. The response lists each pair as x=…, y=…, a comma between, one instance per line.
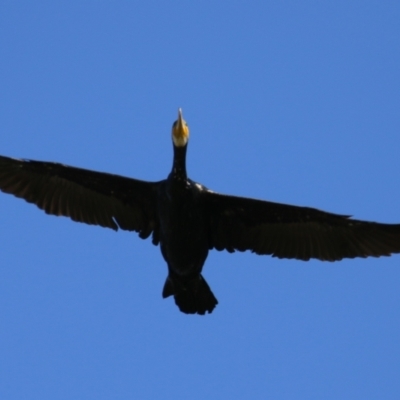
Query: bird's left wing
x=86, y=196
x=285, y=231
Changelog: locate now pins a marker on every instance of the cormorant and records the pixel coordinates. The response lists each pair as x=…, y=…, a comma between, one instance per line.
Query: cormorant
x=187, y=220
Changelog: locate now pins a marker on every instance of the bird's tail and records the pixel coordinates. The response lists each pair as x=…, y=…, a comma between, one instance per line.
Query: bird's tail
x=192, y=296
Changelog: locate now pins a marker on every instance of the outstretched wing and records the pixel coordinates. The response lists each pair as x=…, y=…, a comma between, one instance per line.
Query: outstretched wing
x=286, y=231
x=91, y=197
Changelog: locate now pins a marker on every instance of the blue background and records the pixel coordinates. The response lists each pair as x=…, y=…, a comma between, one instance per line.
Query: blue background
x=296, y=102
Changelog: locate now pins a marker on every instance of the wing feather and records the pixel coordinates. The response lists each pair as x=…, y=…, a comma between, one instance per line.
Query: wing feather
x=91, y=197
x=285, y=231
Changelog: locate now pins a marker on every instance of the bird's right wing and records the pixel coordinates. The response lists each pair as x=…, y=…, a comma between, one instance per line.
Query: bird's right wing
x=86, y=196
x=286, y=231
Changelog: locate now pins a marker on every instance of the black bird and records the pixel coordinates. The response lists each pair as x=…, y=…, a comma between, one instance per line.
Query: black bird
x=187, y=220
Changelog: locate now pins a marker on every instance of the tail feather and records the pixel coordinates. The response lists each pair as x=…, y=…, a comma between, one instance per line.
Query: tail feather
x=192, y=296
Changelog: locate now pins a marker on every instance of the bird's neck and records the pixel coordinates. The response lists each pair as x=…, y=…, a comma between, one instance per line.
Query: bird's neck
x=179, y=165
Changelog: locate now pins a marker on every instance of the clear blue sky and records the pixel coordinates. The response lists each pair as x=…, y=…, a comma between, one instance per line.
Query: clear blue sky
x=296, y=102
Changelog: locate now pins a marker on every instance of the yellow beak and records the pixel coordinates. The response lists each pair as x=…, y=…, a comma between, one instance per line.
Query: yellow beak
x=180, y=131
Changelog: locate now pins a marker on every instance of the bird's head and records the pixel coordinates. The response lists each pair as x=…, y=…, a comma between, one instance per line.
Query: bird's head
x=180, y=131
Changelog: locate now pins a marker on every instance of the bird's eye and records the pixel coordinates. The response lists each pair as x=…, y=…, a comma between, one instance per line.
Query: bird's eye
x=174, y=124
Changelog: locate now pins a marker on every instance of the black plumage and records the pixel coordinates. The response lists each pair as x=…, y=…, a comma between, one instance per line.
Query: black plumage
x=188, y=220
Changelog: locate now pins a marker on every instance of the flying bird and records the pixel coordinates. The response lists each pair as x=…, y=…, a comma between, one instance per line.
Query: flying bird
x=187, y=220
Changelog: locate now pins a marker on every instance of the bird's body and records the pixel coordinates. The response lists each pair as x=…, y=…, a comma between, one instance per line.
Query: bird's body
x=184, y=238
x=182, y=228
x=187, y=220
x=184, y=244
